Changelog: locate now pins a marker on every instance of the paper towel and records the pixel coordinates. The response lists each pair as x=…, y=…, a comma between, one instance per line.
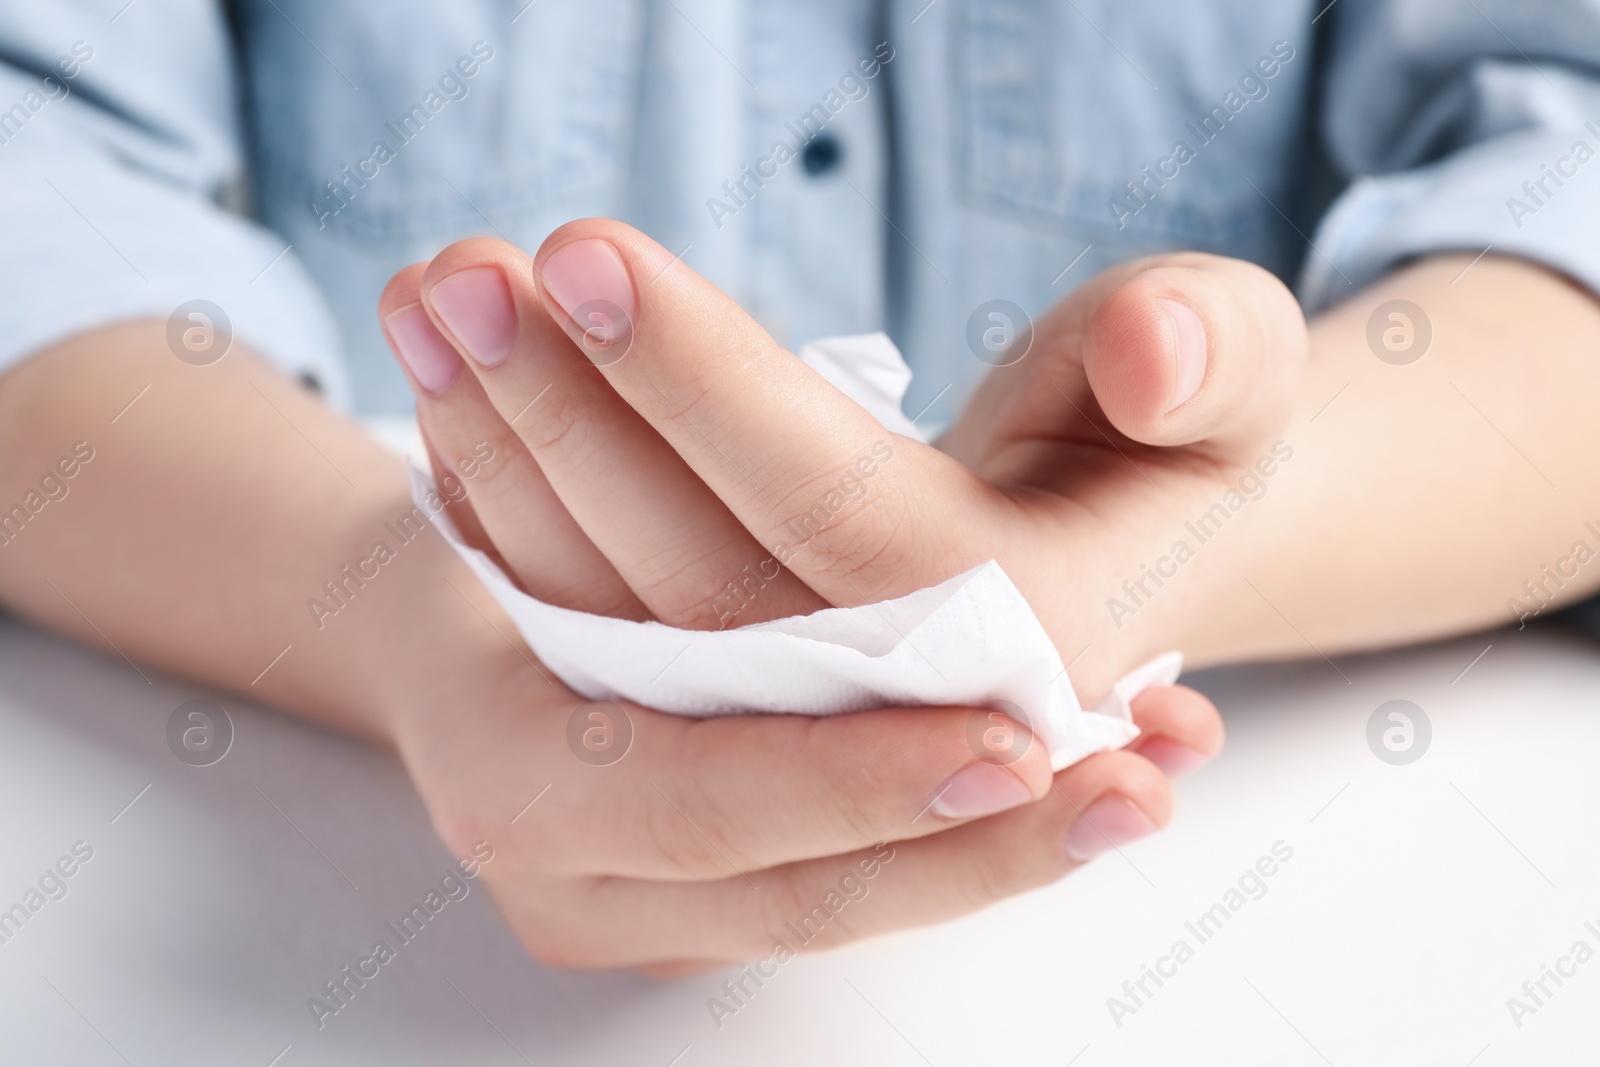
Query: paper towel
x=971, y=640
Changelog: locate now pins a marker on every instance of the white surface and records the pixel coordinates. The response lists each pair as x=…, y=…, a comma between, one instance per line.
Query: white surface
x=1394, y=935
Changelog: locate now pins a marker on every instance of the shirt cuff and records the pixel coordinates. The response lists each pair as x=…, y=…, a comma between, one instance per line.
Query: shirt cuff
x=1500, y=195
x=89, y=243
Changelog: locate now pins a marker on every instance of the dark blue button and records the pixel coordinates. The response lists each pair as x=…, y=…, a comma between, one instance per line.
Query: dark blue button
x=822, y=154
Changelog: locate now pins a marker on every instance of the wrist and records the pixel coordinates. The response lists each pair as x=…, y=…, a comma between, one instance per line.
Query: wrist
x=1158, y=588
x=435, y=634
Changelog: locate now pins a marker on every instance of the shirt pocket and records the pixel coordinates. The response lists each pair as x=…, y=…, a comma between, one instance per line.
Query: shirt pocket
x=1120, y=121
x=411, y=122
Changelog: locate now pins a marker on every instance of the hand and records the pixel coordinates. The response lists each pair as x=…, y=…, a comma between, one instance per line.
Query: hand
x=653, y=861
x=710, y=837
x=1152, y=399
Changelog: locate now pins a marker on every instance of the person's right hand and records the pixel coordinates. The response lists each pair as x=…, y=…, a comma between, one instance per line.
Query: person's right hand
x=709, y=837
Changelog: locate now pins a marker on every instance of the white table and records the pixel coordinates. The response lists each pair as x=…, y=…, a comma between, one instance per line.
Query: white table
x=1418, y=899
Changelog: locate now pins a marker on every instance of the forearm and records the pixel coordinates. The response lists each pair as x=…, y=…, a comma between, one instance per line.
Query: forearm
x=214, y=509
x=1420, y=498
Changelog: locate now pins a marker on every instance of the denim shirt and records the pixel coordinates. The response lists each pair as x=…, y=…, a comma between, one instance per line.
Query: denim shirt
x=837, y=166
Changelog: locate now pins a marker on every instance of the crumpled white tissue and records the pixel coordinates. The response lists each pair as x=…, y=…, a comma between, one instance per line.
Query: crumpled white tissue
x=971, y=640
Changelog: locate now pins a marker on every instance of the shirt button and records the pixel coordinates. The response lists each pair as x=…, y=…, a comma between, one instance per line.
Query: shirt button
x=822, y=154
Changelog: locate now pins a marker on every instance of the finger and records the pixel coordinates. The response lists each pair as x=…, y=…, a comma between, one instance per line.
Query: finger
x=543, y=548
x=1197, y=348
x=661, y=526
x=720, y=797
x=1094, y=807
x=458, y=501
x=801, y=465
x=1179, y=729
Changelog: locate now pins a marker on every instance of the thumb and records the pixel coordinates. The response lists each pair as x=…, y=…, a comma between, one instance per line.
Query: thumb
x=1197, y=348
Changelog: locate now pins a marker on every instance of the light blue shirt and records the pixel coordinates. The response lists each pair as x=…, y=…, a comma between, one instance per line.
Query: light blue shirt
x=838, y=166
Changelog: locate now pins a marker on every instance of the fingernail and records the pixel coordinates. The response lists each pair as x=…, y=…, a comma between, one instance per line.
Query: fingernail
x=1109, y=822
x=979, y=789
x=476, y=304
x=1175, y=760
x=1190, y=334
x=432, y=360
x=592, y=285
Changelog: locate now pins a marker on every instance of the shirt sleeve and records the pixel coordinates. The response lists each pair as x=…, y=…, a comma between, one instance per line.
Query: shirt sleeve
x=1458, y=125
x=120, y=146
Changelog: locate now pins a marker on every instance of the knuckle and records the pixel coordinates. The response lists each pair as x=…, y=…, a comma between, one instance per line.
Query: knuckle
x=865, y=544
x=856, y=814
x=458, y=440
x=696, y=846
x=555, y=942
x=856, y=545
x=1051, y=864
x=462, y=829
x=694, y=399
x=1033, y=854
x=1007, y=871
x=679, y=586
x=498, y=488
x=810, y=914
x=993, y=878
x=815, y=916
x=855, y=784
x=673, y=841
x=565, y=923
x=777, y=905
x=558, y=427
